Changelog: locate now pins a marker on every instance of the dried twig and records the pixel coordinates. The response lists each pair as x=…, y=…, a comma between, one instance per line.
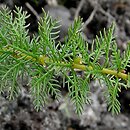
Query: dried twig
x=95, y=3
x=32, y=10
x=106, y=13
x=79, y=8
x=90, y=18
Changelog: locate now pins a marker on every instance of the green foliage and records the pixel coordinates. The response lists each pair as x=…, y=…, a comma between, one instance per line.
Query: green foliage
x=43, y=59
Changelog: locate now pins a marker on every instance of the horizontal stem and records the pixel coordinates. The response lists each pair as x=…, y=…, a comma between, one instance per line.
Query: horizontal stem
x=43, y=60
x=104, y=70
x=115, y=73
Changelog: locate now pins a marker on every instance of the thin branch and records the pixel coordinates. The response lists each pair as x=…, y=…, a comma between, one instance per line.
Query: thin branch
x=32, y=10
x=95, y=3
x=79, y=8
x=90, y=18
x=106, y=13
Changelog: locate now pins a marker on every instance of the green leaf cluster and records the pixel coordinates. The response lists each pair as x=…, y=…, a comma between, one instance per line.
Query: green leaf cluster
x=43, y=59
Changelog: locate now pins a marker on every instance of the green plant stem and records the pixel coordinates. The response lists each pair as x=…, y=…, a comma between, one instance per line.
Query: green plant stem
x=104, y=70
x=43, y=60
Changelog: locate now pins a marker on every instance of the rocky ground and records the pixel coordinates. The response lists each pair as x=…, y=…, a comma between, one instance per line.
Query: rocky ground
x=19, y=114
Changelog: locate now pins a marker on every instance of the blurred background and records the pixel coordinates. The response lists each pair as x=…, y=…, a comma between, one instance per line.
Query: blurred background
x=19, y=114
